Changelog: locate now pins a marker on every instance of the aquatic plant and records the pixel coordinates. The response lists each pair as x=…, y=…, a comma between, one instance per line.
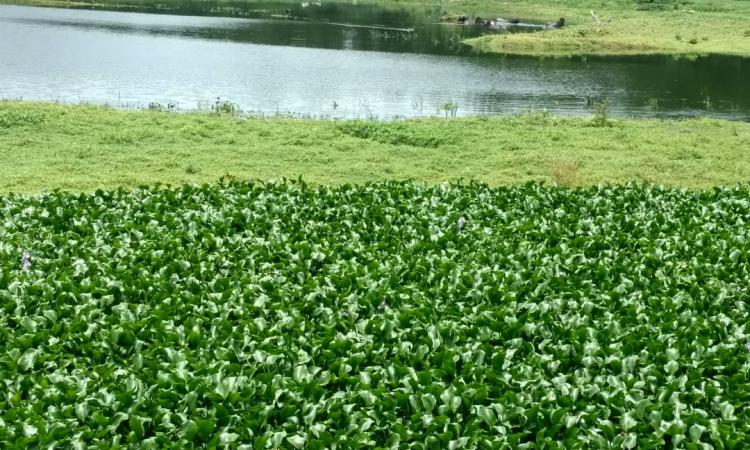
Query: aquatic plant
x=449, y=108
x=225, y=107
x=284, y=315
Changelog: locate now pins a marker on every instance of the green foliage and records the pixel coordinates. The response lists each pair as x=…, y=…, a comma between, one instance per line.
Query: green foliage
x=536, y=117
x=396, y=133
x=288, y=316
x=601, y=114
x=16, y=118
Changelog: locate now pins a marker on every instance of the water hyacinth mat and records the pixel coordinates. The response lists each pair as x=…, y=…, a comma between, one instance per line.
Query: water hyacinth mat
x=389, y=315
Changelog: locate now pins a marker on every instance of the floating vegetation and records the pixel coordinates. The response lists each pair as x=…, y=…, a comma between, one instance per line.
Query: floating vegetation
x=387, y=315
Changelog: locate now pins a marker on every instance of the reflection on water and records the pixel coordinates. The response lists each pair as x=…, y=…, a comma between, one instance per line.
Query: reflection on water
x=329, y=25
x=427, y=38
x=339, y=61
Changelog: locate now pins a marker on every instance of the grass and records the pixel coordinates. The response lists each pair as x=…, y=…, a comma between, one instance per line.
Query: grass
x=83, y=148
x=624, y=27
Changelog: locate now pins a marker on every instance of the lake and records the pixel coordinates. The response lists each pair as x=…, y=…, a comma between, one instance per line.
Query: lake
x=342, y=61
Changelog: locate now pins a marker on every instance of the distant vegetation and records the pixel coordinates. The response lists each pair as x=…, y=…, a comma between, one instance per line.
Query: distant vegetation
x=623, y=27
x=686, y=27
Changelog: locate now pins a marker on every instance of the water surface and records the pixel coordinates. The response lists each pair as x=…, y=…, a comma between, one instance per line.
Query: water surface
x=354, y=62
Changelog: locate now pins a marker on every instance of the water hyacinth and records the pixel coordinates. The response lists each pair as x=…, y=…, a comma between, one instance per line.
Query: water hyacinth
x=541, y=330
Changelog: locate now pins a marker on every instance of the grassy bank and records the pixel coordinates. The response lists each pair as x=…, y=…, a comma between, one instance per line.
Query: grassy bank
x=47, y=146
x=621, y=26
x=624, y=27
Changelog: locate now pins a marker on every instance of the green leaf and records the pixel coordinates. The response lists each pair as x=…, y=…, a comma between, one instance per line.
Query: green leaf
x=29, y=430
x=631, y=441
x=226, y=438
x=205, y=428
x=297, y=441
x=428, y=402
x=29, y=324
x=487, y=415
x=695, y=431
x=628, y=422
x=136, y=425
x=82, y=411
x=28, y=359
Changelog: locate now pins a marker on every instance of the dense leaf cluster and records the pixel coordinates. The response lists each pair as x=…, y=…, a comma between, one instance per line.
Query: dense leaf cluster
x=396, y=133
x=380, y=316
x=11, y=118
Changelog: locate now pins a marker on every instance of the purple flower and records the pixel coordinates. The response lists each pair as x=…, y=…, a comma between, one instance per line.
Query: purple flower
x=26, y=261
x=461, y=222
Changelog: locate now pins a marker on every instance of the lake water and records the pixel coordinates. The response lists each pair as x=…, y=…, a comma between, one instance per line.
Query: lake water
x=335, y=61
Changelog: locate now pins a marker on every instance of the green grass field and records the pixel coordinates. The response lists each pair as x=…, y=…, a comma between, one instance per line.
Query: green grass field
x=48, y=146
